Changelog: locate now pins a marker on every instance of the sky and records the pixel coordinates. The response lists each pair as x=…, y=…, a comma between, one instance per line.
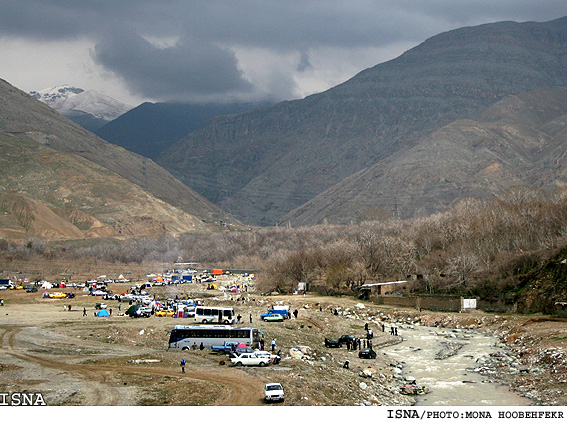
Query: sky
x=225, y=50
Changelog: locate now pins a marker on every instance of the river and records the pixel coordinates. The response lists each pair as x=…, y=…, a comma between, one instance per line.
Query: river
x=451, y=381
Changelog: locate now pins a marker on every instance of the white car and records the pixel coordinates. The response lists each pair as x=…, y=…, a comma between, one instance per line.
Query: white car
x=250, y=359
x=274, y=392
x=275, y=359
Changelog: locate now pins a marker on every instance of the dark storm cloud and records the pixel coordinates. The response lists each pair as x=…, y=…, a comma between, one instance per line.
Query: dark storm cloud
x=201, y=61
x=187, y=70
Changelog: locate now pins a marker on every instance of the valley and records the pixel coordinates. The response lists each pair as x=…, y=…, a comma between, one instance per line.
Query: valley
x=74, y=359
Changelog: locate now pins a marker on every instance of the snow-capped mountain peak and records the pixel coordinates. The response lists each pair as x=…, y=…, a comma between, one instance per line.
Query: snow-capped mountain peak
x=70, y=101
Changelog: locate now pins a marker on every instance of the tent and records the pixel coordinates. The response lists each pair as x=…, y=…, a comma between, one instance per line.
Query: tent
x=132, y=310
x=103, y=313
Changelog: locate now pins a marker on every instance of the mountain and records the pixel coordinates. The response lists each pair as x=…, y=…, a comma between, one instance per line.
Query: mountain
x=262, y=164
x=520, y=140
x=89, y=109
x=150, y=128
x=56, y=175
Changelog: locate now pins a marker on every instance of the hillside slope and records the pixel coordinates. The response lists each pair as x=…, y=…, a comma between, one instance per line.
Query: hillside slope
x=518, y=141
x=262, y=164
x=48, y=194
x=150, y=128
x=22, y=115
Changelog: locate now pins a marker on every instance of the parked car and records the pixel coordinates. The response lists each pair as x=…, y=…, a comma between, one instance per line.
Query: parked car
x=367, y=354
x=274, y=392
x=274, y=359
x=345, y=339
x=164, y=313
x=31, y=289
x=250, y=359
x=332, y=342
x=273, y=318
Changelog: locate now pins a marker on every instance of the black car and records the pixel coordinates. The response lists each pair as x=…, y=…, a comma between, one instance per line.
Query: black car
x=346, y=338
x=367, y=354
x=332, y=342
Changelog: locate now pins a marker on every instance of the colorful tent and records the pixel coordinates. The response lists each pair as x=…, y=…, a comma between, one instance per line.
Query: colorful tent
x=102, y=313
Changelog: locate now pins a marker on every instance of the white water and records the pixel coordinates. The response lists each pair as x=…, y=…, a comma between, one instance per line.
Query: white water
x=449, y=381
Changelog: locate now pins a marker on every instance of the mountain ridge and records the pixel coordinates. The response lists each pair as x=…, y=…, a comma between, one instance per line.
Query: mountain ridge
x=510, y=143
x=261, y=164
x=27, y=124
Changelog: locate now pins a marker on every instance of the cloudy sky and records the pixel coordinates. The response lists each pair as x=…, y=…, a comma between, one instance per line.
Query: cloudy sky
x=221, y=50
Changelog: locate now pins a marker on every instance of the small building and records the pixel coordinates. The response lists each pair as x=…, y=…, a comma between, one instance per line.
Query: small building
x=387, y=287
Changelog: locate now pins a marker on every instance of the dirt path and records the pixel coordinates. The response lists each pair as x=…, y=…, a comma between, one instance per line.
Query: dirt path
x=98, y=380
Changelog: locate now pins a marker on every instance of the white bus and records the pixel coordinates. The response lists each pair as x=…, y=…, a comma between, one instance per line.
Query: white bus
x=214, y=314
x=183, y=337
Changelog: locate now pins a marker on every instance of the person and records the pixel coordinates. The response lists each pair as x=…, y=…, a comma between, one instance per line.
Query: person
x=183, y=365
x=194, y=346
x=366, y=327
x=262, y=344
x=392, y=330
x=201, y=346
x=109, y=311
x=69, y=308
x=238, y=318
x=346, y=365
x=396, y=331
x=383, y=327
x=348, y=344
x=84, y=311
x=273, y=345
x=295, y=313
x=250, y=318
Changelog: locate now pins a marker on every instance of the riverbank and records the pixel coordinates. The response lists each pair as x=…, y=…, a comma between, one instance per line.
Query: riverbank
x=531, y=355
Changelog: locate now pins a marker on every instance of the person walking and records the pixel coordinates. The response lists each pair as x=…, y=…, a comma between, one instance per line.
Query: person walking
x=84, y=311
x=273, y=345
x=183, y=365
x=250, y=318
x=262, y=344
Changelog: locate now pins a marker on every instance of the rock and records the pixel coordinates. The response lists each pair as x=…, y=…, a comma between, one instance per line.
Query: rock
x=295, y=353
x=367, y=373
x=359, y=306
x=363, y=386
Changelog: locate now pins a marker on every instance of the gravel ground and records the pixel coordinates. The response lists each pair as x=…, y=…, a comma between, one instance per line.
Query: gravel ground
x=82, y=360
